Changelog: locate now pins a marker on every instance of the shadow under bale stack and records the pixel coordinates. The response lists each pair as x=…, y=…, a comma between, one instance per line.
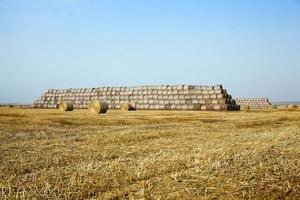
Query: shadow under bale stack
x=161, y=97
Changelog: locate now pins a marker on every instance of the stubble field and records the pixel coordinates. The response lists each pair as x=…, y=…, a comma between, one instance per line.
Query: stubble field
x=47, y=154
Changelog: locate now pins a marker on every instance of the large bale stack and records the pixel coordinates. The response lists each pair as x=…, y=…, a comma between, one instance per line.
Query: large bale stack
x=254, y=103
x=162, y=97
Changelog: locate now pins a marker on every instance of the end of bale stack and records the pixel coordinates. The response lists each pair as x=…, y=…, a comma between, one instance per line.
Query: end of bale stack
x=254, y=103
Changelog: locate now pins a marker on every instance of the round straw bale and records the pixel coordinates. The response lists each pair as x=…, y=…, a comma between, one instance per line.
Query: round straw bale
x=283, y=107
x=97, y=106
x=65, y=106
x=126, y=107
x=292, y=107
x=245, y=107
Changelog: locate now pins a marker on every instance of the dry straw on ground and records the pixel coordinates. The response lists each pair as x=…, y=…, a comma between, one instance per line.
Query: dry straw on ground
x=48, y=154
x=98, y=107
x=65, y=106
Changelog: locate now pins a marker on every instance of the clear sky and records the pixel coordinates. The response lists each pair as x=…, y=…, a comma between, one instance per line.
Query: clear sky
x=252, y=47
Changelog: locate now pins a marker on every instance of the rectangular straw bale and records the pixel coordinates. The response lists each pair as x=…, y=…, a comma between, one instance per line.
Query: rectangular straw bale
x=208, y=101
x=192, y=92
x=211, y=92
x=213, y=96
x=206, y=96
x=214, y=101
x=195, y=101
x=204, y=92
x=151, y=106
x=193, y=96
x=222, y=101
x=135, y=92
x=220, y=96
x=186, y=92
x=216, y=87
x=188, y=101
x=198, y=91
x=177, y=101
x=161, y=107
x=184, y=107
x=181, y=97
x=219, y=91
x=178, y=107
x=175, y=92
x=179, y=87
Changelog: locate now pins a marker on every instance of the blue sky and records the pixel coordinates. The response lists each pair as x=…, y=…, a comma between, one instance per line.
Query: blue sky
x=252, y=47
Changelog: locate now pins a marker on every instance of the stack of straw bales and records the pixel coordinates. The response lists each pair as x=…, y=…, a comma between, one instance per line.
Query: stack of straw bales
x=161, y=97
x=253, y=103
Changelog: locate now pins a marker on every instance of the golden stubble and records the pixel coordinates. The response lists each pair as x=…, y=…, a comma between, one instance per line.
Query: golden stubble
x=48, y=154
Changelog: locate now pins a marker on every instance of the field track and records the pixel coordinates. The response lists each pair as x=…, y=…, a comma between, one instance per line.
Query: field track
x=149, y=154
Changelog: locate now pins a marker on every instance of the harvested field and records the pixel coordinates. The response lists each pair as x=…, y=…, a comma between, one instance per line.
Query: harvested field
x=48, y=154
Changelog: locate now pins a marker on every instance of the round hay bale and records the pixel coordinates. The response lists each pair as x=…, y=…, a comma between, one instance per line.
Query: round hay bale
x=65, y=106
x=292, y=107
x=98, y=107
x=126, y=107
x=245, y=108
x=282, y=107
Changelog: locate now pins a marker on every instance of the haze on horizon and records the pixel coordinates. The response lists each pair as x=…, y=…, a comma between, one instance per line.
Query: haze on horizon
x=250, y=47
